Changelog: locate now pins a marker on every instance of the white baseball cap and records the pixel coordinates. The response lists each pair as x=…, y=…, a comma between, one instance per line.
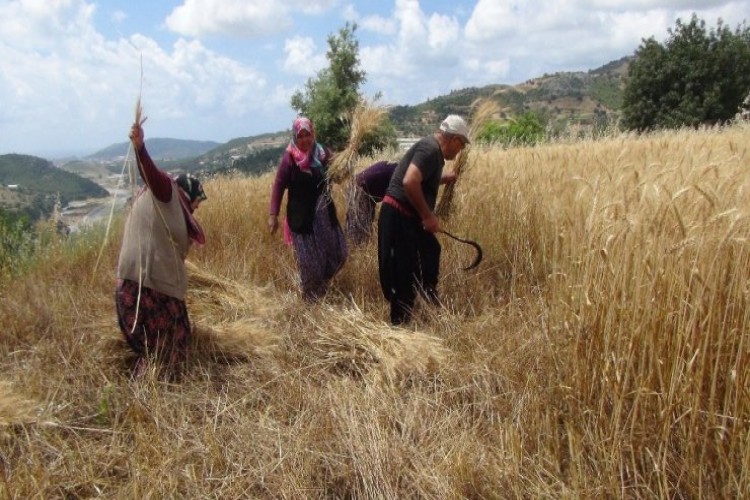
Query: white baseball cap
x=454, y=124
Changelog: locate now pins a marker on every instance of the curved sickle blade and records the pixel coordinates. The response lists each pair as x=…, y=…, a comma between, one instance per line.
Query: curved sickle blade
x=477, y=258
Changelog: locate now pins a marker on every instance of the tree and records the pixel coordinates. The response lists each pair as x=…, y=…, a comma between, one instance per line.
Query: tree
x=695, y=78
x=334, y=93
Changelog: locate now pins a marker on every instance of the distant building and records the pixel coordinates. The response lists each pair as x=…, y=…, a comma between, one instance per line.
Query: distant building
x=13, y=186
x=405, y=143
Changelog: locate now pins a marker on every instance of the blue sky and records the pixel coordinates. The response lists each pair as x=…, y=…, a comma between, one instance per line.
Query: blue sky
x=70, y=70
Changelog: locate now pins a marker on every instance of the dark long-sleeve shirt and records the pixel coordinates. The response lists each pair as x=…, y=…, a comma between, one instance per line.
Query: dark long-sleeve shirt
x=157, y=180
x=374, y=179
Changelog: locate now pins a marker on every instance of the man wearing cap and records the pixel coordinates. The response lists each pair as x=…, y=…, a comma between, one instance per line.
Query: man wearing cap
x=408, y=251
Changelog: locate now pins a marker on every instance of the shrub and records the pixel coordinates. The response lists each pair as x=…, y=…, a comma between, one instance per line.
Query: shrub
x=526, y=130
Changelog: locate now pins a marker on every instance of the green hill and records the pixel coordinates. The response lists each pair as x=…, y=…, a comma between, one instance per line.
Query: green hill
x=586, y=99
x=159, y=148
x=92, y=169
x=251, y=155
x=38, y=185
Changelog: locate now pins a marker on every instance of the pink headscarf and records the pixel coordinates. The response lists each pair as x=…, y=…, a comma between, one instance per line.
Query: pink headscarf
x=305, y=160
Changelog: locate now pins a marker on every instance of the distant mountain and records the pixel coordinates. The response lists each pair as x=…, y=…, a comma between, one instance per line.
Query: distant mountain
x=92, y=169
x=158, y=148
x=38, y=185
x=584, y=99
x=251, y=155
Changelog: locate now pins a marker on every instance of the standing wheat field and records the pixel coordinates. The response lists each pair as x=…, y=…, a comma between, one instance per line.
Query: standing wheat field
x=599, y=351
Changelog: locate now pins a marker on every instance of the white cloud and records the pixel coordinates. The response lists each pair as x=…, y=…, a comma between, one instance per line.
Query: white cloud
x=63, y=83
x=244, y=18
x=301, y=58
x=631, y=5
x=423, y=44
x=492, y=19
x=380, y=25
x=443, y=32
x=310, y=6
x=349, y=13
x=496, y=69
x=119, y=17
x=240, y=18
x=546, y=36
x=411, y=20
x=39, y=25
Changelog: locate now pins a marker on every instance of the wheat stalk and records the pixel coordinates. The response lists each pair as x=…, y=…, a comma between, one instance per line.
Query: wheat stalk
x=130, y=166
x=364, y=119
x=483, y=110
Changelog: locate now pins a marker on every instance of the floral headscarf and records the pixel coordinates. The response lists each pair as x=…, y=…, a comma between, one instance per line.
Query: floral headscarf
x=305, y=160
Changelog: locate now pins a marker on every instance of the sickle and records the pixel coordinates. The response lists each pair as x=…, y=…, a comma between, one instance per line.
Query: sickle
x=476, y=246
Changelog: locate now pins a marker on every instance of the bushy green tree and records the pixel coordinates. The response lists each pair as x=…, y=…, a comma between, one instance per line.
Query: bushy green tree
x=696, y=77
x=331, y=96
x=525, y=130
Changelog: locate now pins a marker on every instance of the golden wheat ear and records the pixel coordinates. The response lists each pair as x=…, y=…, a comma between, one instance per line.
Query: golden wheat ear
x=139, y=118
x=365, y=118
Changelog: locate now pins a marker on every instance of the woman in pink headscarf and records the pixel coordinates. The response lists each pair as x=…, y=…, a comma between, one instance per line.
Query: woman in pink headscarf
x=316, y=235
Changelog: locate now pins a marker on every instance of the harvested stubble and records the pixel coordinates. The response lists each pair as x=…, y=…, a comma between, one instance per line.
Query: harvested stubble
x=15, y=408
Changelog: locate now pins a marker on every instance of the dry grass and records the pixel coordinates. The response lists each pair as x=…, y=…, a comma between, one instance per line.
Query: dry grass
x=599, y=351
x=15, y=408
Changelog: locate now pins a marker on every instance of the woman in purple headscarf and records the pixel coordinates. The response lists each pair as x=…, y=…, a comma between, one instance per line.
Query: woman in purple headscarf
x=310, y=213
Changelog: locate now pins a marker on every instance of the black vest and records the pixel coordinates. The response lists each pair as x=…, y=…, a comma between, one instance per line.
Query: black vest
x=304, y=191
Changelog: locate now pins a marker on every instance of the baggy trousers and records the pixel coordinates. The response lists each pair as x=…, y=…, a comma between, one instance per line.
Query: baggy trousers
x=408, y=262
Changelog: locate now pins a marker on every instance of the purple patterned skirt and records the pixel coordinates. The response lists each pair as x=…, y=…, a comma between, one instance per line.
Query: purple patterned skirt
x=162, y=326
x=359, y=216
x=320, y=254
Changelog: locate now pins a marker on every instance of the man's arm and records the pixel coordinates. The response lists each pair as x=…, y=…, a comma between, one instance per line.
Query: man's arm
x=448, y=178
x=413, y=190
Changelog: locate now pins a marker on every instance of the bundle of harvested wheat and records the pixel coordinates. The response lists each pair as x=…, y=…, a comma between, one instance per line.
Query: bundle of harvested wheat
x=483, y=110
x=231, y=318
x=364, y=119
x=239, y=339
x=352, y=344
